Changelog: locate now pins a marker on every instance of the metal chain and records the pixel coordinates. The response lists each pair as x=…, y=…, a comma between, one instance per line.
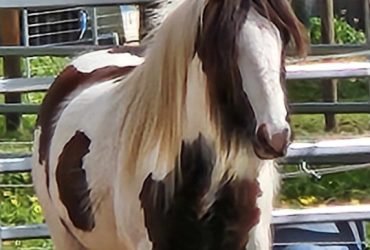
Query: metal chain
x=317, y=173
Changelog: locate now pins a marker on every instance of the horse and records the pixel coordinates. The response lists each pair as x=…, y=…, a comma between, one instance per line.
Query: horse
x=174, y=147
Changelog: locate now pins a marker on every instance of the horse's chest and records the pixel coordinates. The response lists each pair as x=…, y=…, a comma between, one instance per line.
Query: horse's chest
x=177, y=215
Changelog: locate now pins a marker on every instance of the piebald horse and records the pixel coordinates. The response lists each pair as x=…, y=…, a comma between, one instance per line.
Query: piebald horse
x=174, y=150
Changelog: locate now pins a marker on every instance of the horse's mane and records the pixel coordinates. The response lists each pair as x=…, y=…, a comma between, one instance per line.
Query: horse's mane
x=282, y=15
x=155, y=113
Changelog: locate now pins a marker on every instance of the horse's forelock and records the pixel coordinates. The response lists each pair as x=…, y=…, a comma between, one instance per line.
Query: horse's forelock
x=282, y=15
x=216, y=47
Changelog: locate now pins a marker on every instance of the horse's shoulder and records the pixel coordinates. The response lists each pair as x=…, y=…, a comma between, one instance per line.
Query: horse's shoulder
x=85, y=71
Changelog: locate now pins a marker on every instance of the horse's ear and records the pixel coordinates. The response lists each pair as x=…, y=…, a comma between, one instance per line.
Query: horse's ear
x=290, y=25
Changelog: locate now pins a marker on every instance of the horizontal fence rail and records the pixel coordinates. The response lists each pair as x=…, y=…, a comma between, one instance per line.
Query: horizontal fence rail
x=321, y=214
x=296, y=108
x=65, y=3
x=65, y=50
x=15, y=163
x=345, y=151
x=294, y=72
x=47, y=50
x=19, y=108
x=327, y=107
x=324, y=70
x=280, y=217
x=25, y=85
x=27, y=232
x=335, y=49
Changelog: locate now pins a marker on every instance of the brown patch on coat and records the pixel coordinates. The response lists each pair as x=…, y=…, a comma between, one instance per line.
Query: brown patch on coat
x=185, y=221
x=54, y=102
x=72, y=183
x=173, y=222
x=233, y=214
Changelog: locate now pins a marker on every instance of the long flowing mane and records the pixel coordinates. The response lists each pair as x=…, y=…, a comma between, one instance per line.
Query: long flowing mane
x=155, y=114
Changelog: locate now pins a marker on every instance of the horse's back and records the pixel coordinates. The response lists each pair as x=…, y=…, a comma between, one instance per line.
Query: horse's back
x=74, y=149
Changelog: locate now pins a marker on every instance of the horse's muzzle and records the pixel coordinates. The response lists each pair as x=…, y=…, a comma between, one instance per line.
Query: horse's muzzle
x=268, y=146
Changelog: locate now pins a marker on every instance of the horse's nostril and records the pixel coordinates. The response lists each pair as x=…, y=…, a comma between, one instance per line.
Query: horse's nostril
x=262, y=134
x=279, y=141
x=274, y=145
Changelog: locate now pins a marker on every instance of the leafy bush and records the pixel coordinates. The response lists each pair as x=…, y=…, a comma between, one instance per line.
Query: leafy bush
x=348, y=89
x=47, y=65
x=344, y=33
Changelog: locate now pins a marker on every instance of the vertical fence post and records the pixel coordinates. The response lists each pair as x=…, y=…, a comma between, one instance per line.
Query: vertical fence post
x=303, y=10
x=329, y=86
x=10, y=35
x=143, y=24
x=95, y=27
x=367, y=22
x=151, y=16
x=367, y=32
x=26, y=42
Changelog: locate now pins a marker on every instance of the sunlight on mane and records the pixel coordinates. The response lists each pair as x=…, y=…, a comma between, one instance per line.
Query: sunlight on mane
x=155, y=113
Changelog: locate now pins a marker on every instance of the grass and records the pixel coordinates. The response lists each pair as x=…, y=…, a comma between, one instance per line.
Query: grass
x=308, y=127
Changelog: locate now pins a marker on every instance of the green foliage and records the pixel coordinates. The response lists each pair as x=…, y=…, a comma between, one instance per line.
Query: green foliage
x=28, y=245
x=1, y=67
x=307, y=127
x=344, y=33
x=19, y=206
x=311, y=90
x=348, y=187
x=348, y=89
x=47, y=65
x=41, y=66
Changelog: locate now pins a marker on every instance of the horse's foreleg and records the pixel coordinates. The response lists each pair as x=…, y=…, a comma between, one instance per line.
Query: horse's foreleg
x=260, y=236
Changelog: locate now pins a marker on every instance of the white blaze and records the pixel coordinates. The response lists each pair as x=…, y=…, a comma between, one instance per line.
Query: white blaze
x=259, y=61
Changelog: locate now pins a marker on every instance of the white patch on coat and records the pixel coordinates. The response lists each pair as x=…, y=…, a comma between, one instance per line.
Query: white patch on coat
x=102, y=58
x=259, y=61
x=269, y=181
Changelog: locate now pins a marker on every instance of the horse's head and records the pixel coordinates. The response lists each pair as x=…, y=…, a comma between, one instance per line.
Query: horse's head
x=241, y=44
